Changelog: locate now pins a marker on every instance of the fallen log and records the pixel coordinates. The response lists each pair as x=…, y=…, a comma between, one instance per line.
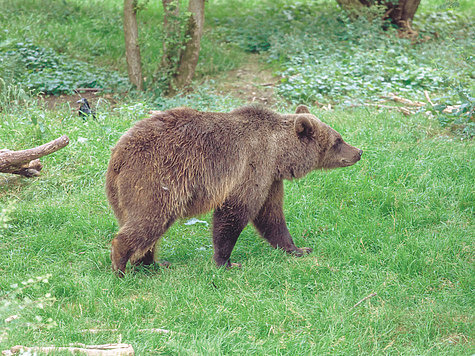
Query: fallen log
x=410, y=107
x=26, y=162
x=91, y=350
x=447, y=110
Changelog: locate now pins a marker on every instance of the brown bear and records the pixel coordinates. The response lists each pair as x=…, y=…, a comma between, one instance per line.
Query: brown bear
x=183, y=162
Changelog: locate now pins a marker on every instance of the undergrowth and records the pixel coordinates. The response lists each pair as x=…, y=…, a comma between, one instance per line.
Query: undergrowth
x=320, y=53
x=326, y=56
x=42, y=70
x=459, y=118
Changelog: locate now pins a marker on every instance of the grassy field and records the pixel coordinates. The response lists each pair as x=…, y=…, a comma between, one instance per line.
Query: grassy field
x=397, y=227
x=399, y=223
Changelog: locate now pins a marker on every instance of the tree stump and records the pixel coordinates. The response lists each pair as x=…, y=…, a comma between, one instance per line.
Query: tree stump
x=401, y=12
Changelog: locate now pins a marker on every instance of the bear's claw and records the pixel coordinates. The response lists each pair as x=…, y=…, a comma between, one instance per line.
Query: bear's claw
x=302, y=251
x=234, y=265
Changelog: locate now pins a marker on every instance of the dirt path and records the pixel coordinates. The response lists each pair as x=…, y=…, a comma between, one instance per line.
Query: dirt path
x=251, y=83
x=59, y=101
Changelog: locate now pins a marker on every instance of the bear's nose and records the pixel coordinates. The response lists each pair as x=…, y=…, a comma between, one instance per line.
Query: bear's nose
x=360, y=152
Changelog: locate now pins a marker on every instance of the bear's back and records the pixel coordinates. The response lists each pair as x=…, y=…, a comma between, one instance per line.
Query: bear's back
x=187, y=127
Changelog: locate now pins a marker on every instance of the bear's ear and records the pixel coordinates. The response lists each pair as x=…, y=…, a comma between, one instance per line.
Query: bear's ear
x=302, y=109
x=303, y=127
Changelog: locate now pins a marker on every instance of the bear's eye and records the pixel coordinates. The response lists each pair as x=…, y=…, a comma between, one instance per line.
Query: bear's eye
x=337, y=143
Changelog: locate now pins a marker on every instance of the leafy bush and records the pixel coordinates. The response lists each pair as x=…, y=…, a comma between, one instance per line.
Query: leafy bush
x=458, y=115
x=360, y=60
x=253, y=30
x=43, y=70
x=326, y=56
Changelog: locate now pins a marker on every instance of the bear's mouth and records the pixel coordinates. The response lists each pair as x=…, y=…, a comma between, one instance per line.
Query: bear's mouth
x=347, y=162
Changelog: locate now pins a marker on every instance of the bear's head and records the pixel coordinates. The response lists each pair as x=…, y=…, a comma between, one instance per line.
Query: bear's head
x=325, y=146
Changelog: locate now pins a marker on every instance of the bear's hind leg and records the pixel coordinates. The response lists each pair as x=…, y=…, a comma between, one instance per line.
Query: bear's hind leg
x=120, y=253
x=147, y=258
x=228, y=222
x=135, y=241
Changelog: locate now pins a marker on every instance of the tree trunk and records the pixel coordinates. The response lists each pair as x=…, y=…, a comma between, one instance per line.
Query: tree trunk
x=190, y=54
x=132, y=49
x=400, y=12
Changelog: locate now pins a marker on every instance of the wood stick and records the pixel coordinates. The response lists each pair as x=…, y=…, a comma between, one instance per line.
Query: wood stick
x=267, y=84
x=153, y=330
x=77, y=90
x=426, y=94
x=450, y=108
x=365, y=298
x=9, y=158
x=91, y=350
x=405, y=101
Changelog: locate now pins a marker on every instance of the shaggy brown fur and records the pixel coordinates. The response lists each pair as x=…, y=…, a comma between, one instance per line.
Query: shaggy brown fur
x=184, y=162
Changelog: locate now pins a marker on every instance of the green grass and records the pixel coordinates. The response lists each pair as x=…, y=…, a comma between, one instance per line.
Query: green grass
x=398, y=223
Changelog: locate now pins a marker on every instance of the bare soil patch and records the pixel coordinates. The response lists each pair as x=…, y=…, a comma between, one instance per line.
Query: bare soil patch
x=251, y=83
x=55, y=102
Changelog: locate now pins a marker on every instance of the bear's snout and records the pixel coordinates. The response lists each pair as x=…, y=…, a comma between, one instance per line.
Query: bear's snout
x=349, y=155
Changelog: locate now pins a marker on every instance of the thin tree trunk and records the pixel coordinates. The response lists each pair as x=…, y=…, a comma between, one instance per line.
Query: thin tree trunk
x=132, y=49
x=189, y=56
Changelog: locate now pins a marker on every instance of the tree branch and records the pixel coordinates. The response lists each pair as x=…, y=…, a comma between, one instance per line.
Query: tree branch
x=26, y=162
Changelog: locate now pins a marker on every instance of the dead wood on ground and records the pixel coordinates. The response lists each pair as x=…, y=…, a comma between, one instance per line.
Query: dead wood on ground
x=26, y=162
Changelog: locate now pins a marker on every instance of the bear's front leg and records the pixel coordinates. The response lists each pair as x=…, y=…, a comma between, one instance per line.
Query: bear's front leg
x=270, y=222
x=228, y=222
